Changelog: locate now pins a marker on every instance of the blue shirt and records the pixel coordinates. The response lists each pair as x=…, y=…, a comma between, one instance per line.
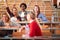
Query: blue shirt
x=42, y=17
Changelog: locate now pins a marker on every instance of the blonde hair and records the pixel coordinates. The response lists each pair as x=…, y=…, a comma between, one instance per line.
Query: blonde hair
x=32, y=15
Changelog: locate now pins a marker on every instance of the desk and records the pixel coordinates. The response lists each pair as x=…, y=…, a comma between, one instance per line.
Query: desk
x=5, y=31
x=10, y=28
x=51, y=27
x=22, y=22
x=33, y=38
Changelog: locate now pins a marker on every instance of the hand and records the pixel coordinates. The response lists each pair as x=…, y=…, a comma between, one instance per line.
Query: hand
x=5, y=0
x=21, y=29
x=6, y=4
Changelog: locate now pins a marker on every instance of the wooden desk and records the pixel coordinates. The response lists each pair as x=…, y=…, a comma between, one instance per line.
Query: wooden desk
x=33, y=38
x=12, y=28
x=26, y=22
x=9, y=28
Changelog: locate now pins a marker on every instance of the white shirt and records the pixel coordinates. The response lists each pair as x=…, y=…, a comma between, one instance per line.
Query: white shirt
x=13, y=19
x=14, y=22
x=22, y=14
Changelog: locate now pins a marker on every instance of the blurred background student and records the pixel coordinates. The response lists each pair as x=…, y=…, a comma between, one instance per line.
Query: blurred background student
x=14, y=12
x=4, y=22
x=23, y=13
x=38, y=14
x=14, y=17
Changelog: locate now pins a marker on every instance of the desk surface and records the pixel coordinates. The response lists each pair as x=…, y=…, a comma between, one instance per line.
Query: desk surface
x=50, y=28
x=10, y=28
x=3, y=28
x=42, y=22
x=43, y=37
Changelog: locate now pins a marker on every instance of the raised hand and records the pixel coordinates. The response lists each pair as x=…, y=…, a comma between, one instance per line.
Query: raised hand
x=6, y=4
x=14, y=5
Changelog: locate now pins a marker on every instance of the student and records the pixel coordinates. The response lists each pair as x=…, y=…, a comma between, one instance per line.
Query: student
x=23, y=12
x=4, y=23
x=14, y=12
x=39, y=15
x=5, y=19
x=34, y=29
x=15, y=18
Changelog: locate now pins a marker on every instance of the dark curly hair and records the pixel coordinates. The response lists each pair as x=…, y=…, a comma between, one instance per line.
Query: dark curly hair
x=24, y=5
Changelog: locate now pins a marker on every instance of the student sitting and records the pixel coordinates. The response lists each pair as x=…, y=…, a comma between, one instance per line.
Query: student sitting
x=4, y=22
x=34, y=29
x=13, y=13
x=39, y=15
x=23, y=11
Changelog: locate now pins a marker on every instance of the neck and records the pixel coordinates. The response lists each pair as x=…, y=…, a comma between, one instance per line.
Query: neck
x=37, y=13
x=15, y=16
x=23, y=10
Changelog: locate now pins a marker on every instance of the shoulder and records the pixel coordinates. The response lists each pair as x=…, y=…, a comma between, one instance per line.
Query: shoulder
x=13, y=19
x=1, y=23
x=33, y=23
x=41, y=14
x=19, y=12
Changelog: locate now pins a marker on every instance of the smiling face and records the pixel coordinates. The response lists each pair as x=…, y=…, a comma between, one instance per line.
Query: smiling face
x=22, y=7
x=5, y=18
x=31, y=16
x=14, y=10
x=36, y=9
